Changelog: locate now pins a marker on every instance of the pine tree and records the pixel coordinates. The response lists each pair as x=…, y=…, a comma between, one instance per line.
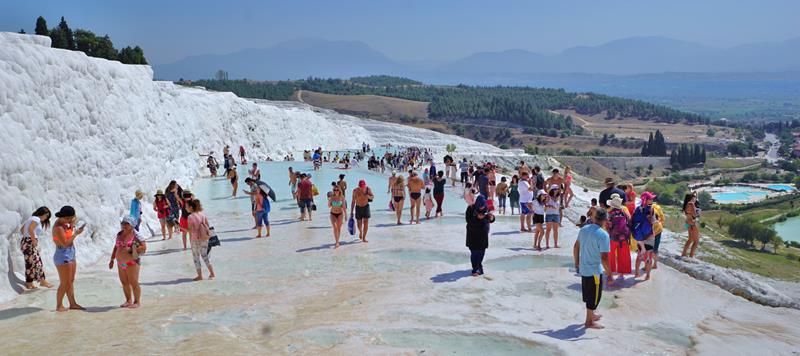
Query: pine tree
x=62, y=37
x=651, y=146
x=41, y=27
x=645, y=150
x=660, y=148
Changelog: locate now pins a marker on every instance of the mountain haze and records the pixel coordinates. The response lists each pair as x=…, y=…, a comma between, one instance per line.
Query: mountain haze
x=288, y=60
x=342, y=59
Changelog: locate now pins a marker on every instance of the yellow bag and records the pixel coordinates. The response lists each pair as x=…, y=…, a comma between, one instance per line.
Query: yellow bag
x=314, y=190
x=633, y=245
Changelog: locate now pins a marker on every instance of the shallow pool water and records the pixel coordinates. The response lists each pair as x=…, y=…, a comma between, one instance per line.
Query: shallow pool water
x=425, y=342
x=276, y=174
x=452, y=258
x=733, y=194
x=524, y=262
x=669, y=334
x=784, y=187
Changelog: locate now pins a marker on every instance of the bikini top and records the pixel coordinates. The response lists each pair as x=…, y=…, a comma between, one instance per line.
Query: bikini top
x=68, y=233
x=121, y=243
x=337, y=203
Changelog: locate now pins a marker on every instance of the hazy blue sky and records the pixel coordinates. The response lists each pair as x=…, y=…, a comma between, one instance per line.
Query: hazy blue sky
x=410, y=30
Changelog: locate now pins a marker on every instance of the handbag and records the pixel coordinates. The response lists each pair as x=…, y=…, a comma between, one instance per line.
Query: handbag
x=213, y=240
x=351, y=226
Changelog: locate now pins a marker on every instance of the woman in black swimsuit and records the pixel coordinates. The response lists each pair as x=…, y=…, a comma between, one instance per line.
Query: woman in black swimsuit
x=398, y=196
x=234, y=177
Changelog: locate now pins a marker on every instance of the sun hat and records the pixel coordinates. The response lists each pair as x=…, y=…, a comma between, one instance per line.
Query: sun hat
x=615, y=201
x=65, y=212
x=127, y=219
x=159, y=192
x=648, y=196
x=553, y=186
x=609, y=180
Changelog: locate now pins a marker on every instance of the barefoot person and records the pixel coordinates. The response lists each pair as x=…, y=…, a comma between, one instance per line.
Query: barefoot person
x=427, y=201
x=415, y=186
x=64, y=235
x=263, y=208
x=658, y=228
x=199, y=234
x=31, y=230
x=502, y=193
x=398, y=196
x=526, y=191
x=590, y=253
x=127, y=248
x=338, y=208
x=513, y=193
x=438, y=191
x=691, y=212
x=568, y=194
x=539, y=207
x=185, y=213
x=161, y=207
x=173, y=195
x=646, y=246
x=552, y=217
x=362, y=196
x=618, y=228
x=136, y=208
x=305, y=196
x=293, y=182
x=233, y=175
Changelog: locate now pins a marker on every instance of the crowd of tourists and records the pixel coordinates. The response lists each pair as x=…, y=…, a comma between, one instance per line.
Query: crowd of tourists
x=612, y=229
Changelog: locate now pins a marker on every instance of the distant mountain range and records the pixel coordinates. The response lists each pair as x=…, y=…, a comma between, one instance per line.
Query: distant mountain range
x=343, y=59
x=295, y=59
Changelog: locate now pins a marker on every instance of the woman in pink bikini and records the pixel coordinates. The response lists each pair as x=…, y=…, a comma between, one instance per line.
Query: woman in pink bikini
x=126, y=251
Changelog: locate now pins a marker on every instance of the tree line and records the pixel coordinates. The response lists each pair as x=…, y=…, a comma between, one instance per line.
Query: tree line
x=532, y=108
x=655, y=146
x=244, y=88
x=62, y=36
x=686, y=155
x=384, y=80
x=749, y=230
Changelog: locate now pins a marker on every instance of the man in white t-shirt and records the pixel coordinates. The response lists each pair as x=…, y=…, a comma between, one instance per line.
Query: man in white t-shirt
x=526, y=191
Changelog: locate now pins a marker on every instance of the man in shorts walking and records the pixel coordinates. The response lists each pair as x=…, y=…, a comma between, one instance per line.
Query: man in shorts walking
x=590, y=253
x=359, y=208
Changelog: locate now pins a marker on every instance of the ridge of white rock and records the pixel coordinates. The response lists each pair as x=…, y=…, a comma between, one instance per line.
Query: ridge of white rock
x=88, y=132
